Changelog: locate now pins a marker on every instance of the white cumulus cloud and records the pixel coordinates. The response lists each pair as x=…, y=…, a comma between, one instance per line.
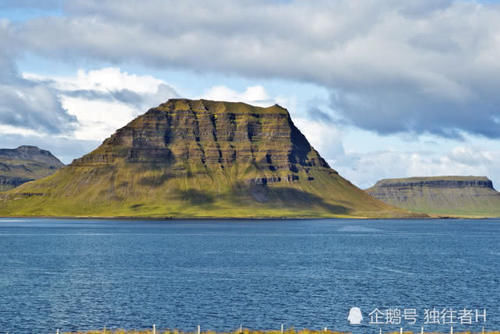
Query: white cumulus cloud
x=106, y=99
x=255, y=95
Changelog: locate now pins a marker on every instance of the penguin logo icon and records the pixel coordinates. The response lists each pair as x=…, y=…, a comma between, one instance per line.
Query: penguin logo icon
x=355, y=316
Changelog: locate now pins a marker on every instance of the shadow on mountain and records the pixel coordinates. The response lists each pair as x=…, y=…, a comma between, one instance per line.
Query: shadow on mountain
x=196, y=197
x=156, y=180
x=289, y=197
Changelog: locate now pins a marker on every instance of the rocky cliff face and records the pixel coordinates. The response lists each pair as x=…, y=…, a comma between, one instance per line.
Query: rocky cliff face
x=25, y=163
x=436, y=182
x=211, y=137
x=447, y=195
x=199, y=158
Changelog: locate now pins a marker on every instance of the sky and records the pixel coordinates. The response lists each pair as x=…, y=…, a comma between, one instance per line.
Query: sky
x=381, y=88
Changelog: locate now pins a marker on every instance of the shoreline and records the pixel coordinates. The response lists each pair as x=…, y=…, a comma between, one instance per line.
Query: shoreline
x=169, y=218
x=292, y=330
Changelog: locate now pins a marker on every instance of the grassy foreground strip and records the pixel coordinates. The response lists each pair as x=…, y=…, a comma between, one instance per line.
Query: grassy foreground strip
x=249, y=331
x=238, y=331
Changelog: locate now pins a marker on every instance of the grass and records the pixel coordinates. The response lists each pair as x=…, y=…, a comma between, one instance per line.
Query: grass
x=125, y=192
x=250, y=331
x=451, y=201
x=238, y=331
x=14, y=171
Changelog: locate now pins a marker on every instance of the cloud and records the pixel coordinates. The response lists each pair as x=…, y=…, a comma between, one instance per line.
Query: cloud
x=334, y=142
x=473, y=156
x=316, y=113
x=325, y=138
x=71, y=115
x=27, y=104
x=112, y=85
x=391, y=66
x=367, y=168
x=255, y=95
x=104, y=80
x=34, y=107
x=98, y=119
x=106, y=99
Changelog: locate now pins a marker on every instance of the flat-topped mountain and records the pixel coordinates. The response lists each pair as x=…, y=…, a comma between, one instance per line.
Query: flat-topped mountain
x=24, y=164
x=199, y=158
x=442, y=195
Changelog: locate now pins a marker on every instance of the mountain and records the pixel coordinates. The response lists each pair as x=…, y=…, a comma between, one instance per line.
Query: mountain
x=443, y=195
x=24, y=164
x=199, y=158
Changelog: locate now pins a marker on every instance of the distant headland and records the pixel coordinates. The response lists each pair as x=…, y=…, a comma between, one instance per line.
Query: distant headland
x=456, y=196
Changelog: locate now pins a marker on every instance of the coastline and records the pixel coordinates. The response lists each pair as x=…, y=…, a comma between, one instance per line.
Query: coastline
x=258, y=218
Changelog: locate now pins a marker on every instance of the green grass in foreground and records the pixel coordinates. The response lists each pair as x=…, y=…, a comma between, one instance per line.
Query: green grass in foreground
x=250, y=331
x=238, y=331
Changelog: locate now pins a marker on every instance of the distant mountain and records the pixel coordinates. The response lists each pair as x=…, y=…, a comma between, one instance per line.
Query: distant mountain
x=25, y=163
x=199, y=158
x=443, y=195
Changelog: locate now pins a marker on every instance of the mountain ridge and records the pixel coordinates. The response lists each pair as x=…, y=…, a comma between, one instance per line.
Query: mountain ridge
x=461, y=196
x=200, y=158
x=24, y=164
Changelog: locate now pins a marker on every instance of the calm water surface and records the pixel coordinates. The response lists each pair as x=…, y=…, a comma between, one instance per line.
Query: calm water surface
x=87, y=274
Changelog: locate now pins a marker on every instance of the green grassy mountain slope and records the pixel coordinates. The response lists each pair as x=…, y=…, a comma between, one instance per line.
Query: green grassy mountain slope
x=463, y=196
x=188, y=158
x=24, y=164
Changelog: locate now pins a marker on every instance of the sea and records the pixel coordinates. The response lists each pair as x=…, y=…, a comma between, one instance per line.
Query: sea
x=359, y=276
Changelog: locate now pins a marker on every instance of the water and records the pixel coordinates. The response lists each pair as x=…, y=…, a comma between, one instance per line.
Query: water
x=87, y=274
